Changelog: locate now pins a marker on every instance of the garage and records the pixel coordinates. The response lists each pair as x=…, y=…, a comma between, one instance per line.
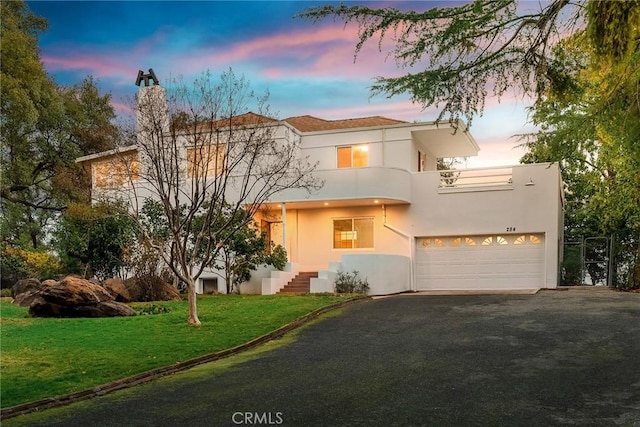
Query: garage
x=492, y=261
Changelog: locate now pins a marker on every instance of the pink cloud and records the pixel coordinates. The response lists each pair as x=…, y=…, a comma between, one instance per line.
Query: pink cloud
x=313, y=52
x=317, y=51
x=122, y=108
x=102, y=66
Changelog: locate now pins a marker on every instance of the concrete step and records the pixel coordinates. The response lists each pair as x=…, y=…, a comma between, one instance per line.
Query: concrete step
x=301, y=284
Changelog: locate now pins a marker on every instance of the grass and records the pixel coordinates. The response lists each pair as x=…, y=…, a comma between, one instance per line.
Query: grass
x=46, y=357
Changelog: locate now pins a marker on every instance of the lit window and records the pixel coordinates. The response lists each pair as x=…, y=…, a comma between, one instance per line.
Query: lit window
x=356, y=156
x=469, y=241
x=456, y=242
x=116, y=171
x=426, y=243
x=353, y=233
x=501, y=240
x=487, y=241
x=439, y=243
x=521, y=240
x=204, y=161
x=535, y=240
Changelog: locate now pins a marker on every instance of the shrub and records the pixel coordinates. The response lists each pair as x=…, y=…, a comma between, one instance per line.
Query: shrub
x=94, y=240
x=149, y=309
x=277, y=257
x=152, y=287
x=23, y=263
x=350, y=283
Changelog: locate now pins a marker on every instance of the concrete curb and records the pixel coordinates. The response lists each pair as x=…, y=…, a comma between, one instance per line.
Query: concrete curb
x=101, y=390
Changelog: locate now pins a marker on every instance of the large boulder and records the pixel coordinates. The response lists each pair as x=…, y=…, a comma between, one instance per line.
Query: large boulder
x=76, y=297
x=41, y=308
x=74, y=291
x=24, y=285
x=118, y=290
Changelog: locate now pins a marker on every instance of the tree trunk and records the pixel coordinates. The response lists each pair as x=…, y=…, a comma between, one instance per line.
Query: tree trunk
x=193, y=309
x=227, y=275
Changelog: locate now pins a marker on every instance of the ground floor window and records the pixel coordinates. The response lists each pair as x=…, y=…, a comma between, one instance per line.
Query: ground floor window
x=351, y=233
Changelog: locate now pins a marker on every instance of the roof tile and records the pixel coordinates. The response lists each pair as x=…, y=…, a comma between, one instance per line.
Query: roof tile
x=312, y=124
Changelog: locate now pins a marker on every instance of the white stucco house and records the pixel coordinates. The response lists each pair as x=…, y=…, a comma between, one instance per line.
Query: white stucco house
x=387, y=212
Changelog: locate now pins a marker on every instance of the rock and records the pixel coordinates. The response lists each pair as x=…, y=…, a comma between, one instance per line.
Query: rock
x=41, y=308
x=74, y=291
x=76, y=297
x=48, y=282
x=106, y=309
x=118, y=290
x=24, y=285
x=24, y=299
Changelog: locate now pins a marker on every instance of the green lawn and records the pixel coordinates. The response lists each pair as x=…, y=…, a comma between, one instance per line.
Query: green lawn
x=46, y=357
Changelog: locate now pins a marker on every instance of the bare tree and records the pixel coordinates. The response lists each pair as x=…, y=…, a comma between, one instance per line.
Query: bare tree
x=204, y=162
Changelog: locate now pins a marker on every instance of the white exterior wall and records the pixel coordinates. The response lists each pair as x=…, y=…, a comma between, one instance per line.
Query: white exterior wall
x=310, y=236
x=386, y=274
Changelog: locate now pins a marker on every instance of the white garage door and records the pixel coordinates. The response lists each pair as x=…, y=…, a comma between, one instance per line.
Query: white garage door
x=508, y=261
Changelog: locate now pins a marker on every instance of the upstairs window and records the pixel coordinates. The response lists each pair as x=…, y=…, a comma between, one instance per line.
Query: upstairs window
x=116, y=171
x=354, y=156
x=205, y=161
x=353, y=233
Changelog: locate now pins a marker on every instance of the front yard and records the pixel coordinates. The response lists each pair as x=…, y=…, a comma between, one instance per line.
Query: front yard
x=46, y=357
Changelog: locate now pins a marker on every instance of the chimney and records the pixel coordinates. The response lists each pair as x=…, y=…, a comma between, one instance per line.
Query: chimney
x=152, y=113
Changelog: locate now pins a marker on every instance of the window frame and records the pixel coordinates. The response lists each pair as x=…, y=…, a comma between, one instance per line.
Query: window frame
x=116, y=171
x=353, y=232
x=215, y=163
x=352, y=152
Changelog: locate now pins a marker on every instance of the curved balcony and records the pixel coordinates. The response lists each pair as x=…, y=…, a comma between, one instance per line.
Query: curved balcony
x=389, y=185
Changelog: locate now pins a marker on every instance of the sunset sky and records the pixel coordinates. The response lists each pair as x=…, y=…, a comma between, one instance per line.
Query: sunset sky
x=307, y=68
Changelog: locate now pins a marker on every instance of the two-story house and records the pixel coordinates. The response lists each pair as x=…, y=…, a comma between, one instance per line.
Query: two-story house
x=387, y=212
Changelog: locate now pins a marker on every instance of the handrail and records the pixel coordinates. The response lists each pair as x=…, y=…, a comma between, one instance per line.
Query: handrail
x=466, y=178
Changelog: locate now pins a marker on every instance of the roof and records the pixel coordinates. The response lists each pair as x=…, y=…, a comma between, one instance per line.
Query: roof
x=314, y=124
x=115, y=151
x=301, y=123
x=246, y=119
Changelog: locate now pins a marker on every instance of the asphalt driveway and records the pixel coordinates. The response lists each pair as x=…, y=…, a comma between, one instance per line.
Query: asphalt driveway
x=554, y=358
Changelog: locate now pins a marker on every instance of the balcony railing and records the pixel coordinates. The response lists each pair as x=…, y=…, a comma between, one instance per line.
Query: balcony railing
x=468, y=179
x=356, y=183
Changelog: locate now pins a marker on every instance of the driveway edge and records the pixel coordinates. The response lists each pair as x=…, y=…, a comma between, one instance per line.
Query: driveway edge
x=101, y=390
